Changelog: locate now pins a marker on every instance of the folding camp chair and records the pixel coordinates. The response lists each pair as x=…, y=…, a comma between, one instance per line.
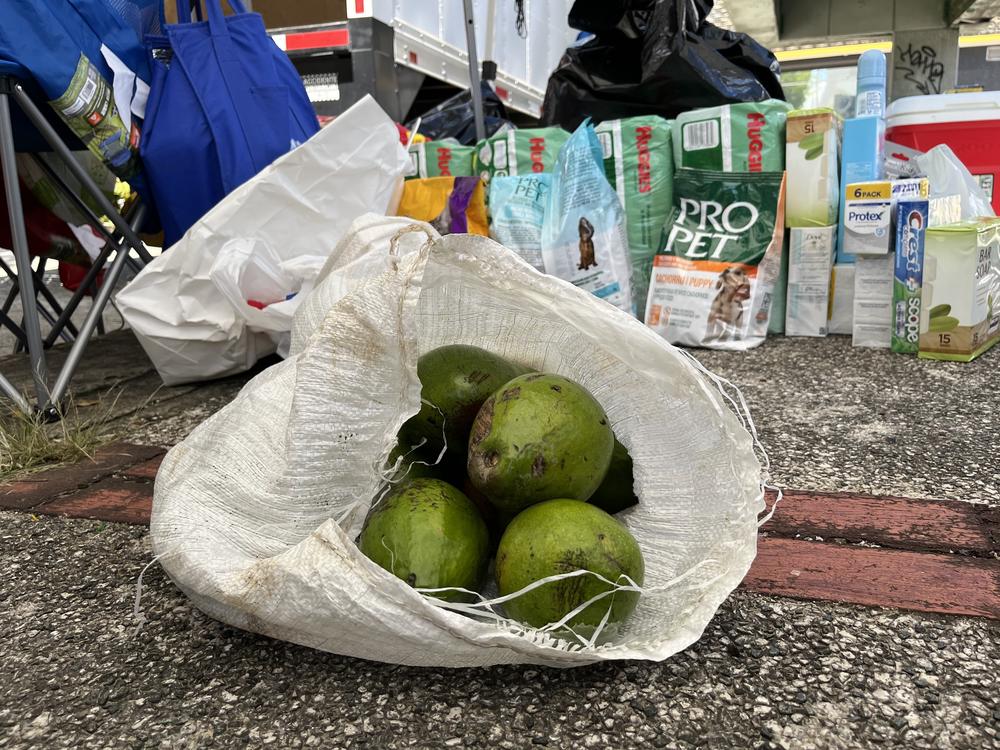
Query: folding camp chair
x=27, y=282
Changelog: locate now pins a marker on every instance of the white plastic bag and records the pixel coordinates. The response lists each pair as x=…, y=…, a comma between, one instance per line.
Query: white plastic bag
x=247, y=271
x=298, y=207
x=262, y=535
x=948, y=176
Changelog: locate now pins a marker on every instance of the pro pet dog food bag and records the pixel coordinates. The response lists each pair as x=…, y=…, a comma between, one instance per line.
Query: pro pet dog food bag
x=713, y=283
x=639, y=163
x=440, y=159
x=747, y=137
x=516, y=152
x=583, y=237
x=517, y=214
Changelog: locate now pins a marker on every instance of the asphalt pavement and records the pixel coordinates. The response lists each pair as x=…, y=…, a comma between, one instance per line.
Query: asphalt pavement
x=768, y=672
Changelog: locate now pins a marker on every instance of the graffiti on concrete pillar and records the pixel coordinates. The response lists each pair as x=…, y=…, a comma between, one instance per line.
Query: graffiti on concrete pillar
x=920, y=66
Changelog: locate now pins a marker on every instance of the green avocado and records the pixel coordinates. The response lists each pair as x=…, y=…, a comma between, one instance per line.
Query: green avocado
x=541, y=436
x=430, y=535
x=420, y=463
x=560, y=536
x=454, y=382
x=617, y=490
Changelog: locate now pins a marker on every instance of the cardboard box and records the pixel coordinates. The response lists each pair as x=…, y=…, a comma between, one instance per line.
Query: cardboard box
x=960, y=308
x=812, y=144
x=872, y=324
x=280, y=14
x=779, y=298
x=810, y=264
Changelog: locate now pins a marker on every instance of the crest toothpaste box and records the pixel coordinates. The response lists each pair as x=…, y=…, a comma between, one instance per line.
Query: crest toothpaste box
x=908, y=274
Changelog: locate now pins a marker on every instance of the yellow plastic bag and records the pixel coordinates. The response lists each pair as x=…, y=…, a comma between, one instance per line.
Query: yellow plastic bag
x=452, y=205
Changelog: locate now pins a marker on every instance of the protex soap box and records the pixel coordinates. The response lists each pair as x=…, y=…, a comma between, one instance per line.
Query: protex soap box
x=812, y=142
x=868, y=213
x=908, y=273
x=868, y=218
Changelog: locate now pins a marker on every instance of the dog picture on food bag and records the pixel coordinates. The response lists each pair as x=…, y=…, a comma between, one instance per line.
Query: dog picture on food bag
x=588, y=258
x=726, y=314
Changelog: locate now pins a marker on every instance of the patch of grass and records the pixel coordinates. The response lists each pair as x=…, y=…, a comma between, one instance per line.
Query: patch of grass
x=28, y=444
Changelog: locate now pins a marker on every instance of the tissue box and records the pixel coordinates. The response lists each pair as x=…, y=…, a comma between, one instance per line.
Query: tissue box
x=810, y=263
x=812, y=140
x=960, y=310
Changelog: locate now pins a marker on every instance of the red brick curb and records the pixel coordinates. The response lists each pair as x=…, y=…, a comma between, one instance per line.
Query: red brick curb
x=898, y=522
x=36, y=489
x=948, y=584
x=910, y=569
x=107, y=500
x=146, y=470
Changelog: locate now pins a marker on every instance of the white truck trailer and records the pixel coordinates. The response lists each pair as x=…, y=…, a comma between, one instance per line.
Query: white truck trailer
x=411, y=54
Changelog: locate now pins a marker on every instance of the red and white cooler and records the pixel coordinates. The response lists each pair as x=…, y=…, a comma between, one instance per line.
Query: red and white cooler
x=968, y=123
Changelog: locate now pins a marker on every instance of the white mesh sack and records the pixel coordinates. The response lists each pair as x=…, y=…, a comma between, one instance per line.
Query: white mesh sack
x=255, y=514
x=373, y=245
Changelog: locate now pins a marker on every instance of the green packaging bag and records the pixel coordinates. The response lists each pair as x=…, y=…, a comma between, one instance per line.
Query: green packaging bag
x=712, y=284
x=639, y=164
x=746, y=137
x=518, y=152
x=446, y=158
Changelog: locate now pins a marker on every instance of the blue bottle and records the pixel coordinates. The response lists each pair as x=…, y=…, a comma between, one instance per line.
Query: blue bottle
x=870, y=100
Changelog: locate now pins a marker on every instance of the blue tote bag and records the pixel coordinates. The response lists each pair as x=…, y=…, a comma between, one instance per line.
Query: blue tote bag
x=224, y=102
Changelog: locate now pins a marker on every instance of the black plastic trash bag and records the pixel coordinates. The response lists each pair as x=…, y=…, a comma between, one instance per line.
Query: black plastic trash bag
x=454, y=118
x=654, y=57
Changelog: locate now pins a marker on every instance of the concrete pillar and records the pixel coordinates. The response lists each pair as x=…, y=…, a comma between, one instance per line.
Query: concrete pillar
x=923, y=62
